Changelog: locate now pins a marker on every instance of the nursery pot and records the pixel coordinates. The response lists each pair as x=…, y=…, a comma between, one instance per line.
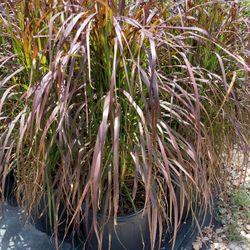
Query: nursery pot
x=179, y=202
x=41, y=218
x=131, y=232
x=10, y=187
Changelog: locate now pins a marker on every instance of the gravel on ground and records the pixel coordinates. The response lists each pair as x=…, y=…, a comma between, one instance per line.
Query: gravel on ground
x=232, y=211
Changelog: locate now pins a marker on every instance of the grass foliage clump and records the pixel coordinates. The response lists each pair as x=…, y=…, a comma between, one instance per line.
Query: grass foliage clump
x=102, y=102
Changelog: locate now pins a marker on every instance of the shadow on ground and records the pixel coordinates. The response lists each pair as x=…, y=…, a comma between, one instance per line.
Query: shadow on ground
x=17, y=234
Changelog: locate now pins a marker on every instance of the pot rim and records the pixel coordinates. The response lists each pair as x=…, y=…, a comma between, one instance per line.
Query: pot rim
x=121, y=218
x=125, y=217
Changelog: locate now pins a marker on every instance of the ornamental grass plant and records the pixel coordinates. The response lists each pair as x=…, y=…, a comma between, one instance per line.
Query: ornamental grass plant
x=113, y=106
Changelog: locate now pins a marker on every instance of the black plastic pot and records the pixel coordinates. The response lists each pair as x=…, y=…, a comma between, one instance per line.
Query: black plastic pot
x=179, y=201
x=131, y=232
x=41, y=218
x=9, y=190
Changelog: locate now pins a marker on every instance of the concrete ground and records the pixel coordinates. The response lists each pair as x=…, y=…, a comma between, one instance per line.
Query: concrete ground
x=17, y=234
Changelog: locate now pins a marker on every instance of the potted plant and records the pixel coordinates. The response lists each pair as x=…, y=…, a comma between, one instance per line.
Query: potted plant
x=115, y=123
x=110, y=109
